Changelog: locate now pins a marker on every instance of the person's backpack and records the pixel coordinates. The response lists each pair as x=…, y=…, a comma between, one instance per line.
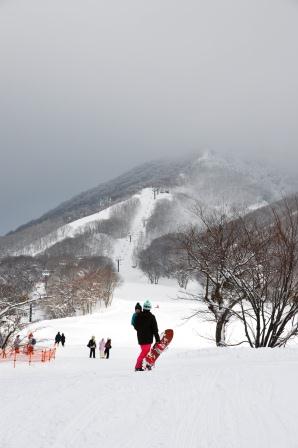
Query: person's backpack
x=33, y=341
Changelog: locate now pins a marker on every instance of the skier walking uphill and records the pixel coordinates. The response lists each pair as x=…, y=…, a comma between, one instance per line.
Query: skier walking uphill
x=146, y=326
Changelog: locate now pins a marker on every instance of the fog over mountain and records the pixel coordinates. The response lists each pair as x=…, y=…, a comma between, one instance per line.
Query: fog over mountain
x=91, y=88
x=109, y=208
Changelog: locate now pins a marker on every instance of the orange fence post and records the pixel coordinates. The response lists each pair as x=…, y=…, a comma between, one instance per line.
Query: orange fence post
x=27, y=354
x=52, y=354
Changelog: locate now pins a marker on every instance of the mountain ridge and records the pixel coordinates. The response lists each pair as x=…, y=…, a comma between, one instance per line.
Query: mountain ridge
x=203, y=176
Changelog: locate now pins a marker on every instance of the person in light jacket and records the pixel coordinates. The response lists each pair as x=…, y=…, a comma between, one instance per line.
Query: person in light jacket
x=102, y=345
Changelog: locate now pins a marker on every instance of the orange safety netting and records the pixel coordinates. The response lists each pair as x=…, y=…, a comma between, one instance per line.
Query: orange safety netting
x=28, y=354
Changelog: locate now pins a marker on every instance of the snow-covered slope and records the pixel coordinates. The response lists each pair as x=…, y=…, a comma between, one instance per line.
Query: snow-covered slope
x=207, y=177
x=124, y=247
x=195, y=397
x=67, y=231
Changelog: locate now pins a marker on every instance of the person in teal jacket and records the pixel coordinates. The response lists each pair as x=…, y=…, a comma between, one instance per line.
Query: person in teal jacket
x=138, y=309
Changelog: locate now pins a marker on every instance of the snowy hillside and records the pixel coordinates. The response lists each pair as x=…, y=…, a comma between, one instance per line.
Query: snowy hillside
x=67, y=231
x=205, y=177
x=146, y=200
x=195, y=397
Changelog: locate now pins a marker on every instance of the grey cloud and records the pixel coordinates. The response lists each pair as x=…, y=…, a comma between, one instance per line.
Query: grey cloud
x=90, y=88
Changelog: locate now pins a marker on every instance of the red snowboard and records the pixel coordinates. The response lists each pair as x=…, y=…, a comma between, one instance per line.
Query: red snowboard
x=157, y=349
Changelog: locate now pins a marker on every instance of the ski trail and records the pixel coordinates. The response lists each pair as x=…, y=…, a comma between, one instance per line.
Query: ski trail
x=124, y=247
x=78, y=425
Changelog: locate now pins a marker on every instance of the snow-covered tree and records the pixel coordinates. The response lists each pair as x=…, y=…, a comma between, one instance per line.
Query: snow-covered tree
x=18, y=277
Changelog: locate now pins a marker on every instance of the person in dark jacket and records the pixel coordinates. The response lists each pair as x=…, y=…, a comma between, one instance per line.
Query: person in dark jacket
x=62, y=339
x=146, y=326
x=108, y=347
x=92, y=345
x=58, y=338
x=138, y=309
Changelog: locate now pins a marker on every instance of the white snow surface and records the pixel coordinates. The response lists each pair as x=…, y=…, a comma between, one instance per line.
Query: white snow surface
x=198, y=396
x=124, y=247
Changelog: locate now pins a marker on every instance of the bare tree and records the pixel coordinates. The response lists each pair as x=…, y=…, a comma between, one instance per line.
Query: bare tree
x=209, y=251
x=110, y=280
x=265, y=278
x=162, y=258
x=78, y=284
x=150, y=264
x=249, y=270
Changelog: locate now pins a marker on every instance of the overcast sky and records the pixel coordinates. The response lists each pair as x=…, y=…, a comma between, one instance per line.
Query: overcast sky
x=91, y=88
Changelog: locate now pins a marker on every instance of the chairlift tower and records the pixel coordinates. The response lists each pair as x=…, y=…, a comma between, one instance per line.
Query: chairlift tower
x=155, y=192
x=118, y=260
x=46, y=275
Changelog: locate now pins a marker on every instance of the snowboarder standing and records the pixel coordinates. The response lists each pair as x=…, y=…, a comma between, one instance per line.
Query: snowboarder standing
x=92, y=345
x=102, y=346
x=58, y=338
x=62, y=339
x=146, y=326
x=108, y=347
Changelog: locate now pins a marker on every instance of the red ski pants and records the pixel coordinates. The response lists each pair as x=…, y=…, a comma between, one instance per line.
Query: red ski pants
x=145, y=349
